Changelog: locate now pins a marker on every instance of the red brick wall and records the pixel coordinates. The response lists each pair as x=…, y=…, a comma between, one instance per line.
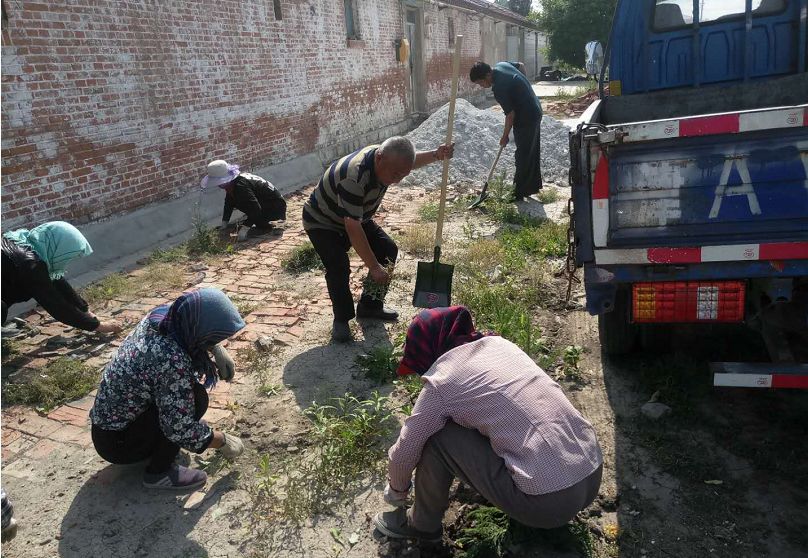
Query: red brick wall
x=110, y=105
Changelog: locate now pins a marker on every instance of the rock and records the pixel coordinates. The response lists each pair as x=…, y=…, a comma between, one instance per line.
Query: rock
x=655, y=410
x=196, y=279
x=264, y=343
x=292, y=449
x=199, y=267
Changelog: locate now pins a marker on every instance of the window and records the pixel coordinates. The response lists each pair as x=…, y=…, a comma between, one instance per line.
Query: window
x=278, y=14
x=451, y=32
x=351, y=27
x=672, y=14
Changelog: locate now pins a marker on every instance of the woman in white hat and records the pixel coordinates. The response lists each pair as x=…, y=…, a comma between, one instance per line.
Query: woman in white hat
x=249, y=193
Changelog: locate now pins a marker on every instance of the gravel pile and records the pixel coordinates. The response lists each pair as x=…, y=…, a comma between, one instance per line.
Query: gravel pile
x=476, y=137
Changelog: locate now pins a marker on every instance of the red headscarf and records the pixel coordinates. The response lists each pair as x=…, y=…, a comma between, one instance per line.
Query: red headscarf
x=433, y=333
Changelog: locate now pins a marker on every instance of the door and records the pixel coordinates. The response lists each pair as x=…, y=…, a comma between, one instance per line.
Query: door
x=414, y=30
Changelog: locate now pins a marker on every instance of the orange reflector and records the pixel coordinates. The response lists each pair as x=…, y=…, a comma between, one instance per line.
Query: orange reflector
x=689, y=301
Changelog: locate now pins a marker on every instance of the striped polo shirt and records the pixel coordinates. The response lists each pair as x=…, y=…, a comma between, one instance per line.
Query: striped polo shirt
x=348, y=188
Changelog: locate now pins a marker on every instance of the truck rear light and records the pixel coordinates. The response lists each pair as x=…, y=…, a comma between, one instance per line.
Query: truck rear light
x=689, y=301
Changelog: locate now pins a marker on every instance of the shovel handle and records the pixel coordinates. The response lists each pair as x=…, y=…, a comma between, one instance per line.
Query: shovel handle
x=496, y=160
x=449, y=128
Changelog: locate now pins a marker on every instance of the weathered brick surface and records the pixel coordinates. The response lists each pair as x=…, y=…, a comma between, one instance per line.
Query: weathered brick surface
x=105, y=109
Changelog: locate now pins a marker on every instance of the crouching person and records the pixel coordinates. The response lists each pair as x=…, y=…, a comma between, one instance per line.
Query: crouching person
x=152, y=395
x=491, y=417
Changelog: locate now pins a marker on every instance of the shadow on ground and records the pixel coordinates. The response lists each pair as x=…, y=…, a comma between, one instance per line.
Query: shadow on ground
x=324, y=372
x=112, y=515
x=718, y=476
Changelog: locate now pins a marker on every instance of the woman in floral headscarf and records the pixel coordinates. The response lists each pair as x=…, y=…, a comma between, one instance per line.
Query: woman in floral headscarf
x=491, y=417
x=152, y=395
x=34, y=267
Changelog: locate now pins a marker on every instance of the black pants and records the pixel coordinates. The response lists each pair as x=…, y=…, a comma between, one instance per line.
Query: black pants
x=272, y=209
x=527, y=179
x=332, y=248
x=143, y=439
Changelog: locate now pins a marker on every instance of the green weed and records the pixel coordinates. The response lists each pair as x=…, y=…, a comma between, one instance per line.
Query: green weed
x=63, y=379
x=417, y=240
x=109, y=288
x=411, y=386
x=547, y=239
x=548, y=195
x=259, y=364
x=379, y=364
x=178, y=254
x=302, y=258
x=349, y=443
x=205, y=241
x=429, y=212
x=486, y=535
x=243, y=305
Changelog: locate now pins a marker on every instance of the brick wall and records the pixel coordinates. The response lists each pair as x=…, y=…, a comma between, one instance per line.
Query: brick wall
x=111, y=105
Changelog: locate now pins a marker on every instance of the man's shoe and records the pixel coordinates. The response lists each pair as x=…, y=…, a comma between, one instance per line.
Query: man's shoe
x=394, y=524
x=176, y=478
x=341, y=333
x=10, y=531
x=368, y=312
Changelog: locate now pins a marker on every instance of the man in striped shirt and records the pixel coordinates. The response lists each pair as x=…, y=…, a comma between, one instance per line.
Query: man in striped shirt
x=492, y=418
x=339, y=214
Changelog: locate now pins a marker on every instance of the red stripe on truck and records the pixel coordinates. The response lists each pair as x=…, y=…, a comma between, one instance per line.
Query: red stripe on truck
x=709, y=125
x=789, y=381
x=600, y=189
x=783, y=251
x=674, y=255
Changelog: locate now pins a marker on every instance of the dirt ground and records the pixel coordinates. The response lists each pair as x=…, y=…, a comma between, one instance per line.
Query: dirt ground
x=723, y=475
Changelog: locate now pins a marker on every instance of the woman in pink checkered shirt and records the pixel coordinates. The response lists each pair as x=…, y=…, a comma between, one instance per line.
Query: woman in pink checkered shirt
x=491, y=417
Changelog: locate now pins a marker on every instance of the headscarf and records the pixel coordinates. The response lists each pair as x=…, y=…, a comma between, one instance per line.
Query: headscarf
x=198, y=320
x=56, y=243
x=434, y=332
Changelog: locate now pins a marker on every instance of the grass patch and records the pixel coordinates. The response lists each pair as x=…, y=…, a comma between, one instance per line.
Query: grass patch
x=411, y=386
x=548, y=195
x=348, y=445
x=243, y=305
x=178, y=254
x=502, y=309
x=429, y=212
x=206, y=241
x=488, y=532
x=301, y=259
x=547, y=239
x=110, y=287
x=9, y=349
x=500, y=208
x=418, y=240
x=63, y=379
x=379, y=364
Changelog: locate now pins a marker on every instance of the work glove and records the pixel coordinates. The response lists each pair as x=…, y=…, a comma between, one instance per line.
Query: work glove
x=224, y=363
x=233, y=446
x=394, y=497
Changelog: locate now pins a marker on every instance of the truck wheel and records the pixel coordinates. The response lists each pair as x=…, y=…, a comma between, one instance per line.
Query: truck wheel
x=616, y=332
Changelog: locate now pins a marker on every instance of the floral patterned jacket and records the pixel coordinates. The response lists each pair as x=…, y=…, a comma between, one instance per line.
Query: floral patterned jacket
x=151, y=369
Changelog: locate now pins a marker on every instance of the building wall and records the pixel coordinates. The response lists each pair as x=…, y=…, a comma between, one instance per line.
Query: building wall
x=108, y=106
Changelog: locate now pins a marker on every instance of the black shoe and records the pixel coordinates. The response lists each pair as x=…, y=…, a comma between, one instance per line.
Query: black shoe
x=341, y=332
x=395, y=524
x=375, y=312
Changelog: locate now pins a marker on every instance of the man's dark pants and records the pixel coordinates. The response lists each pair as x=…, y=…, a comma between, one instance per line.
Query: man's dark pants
x=332, y=247
x=527, y=179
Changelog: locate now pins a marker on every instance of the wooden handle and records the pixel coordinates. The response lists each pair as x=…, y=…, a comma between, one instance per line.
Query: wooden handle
x=445, y=178
x=496, y=160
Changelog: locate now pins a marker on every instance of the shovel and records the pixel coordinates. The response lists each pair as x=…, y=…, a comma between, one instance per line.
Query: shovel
x=433, y=282
x=484, y=192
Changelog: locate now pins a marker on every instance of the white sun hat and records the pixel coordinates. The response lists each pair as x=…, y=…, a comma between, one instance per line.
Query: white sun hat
x=219, y=174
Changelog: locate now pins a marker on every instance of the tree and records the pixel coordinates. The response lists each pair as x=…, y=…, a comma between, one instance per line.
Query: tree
x=570, y=24
x=521, y=7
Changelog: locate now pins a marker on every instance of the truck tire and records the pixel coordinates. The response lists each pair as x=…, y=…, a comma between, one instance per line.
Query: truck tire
x=616, y=332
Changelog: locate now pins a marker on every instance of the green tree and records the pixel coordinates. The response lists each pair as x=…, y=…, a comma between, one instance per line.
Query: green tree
x=521, y=7
x=570, y=24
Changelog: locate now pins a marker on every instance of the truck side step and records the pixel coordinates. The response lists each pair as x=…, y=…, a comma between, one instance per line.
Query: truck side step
x=760, y=375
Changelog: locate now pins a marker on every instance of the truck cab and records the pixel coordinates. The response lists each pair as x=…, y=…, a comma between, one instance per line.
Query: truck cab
x=690, y=177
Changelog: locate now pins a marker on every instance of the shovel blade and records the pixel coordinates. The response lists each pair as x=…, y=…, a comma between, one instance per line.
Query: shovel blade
x=433, y=285
x=481, y=198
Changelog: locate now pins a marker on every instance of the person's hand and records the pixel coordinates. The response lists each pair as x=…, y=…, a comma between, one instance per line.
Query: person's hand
x=379, y=275
x=224, y=363
x=503, y=141
x=394, y=497
x=110, y=326
x=444, y=152
x=232, y=447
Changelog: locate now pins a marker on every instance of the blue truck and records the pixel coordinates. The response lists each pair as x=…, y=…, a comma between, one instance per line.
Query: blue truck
x=690, y=179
